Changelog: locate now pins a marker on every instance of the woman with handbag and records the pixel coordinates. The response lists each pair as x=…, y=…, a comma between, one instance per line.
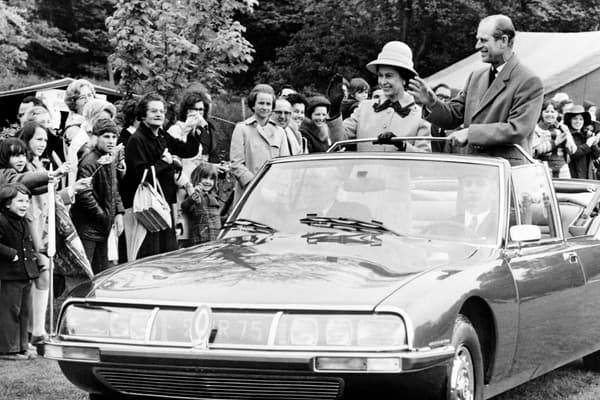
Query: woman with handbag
x=150, y=149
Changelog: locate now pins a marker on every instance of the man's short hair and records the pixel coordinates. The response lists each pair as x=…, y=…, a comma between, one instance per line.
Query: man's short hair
x=36, y=101
x=502, y=26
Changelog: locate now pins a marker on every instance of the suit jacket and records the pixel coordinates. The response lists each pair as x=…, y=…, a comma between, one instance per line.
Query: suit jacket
x=487, y=228
x=366, y=123
x=505, y=113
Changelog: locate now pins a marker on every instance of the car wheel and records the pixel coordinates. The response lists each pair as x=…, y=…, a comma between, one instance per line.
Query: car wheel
x=592, y=361
x=464, y=377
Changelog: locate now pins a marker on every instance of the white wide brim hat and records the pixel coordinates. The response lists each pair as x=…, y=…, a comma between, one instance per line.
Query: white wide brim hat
x=396, y=54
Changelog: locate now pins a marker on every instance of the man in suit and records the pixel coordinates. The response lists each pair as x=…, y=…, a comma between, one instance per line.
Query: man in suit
x=479, y=191
x=498, y=106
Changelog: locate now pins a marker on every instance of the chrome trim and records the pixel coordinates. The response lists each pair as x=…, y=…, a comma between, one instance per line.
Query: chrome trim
x=150, y=324
x=273, y=328
x=410, y=331
x=306, y=356
x=277, y=315
x=219, y=306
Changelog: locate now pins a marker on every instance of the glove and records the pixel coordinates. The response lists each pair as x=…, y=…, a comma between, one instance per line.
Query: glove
x=386, y=138
x=335, y=95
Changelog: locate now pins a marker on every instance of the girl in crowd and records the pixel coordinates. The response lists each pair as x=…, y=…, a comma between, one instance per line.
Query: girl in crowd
x=151, y=146
x=553, y=142
x=587, y=146
x=18, y=266
x=257, y=139
x=358, y=91
x=35, y=138
x=202, y=206
x=314, y=128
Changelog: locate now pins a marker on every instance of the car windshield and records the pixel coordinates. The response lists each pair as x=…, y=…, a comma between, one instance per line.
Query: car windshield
x=432, y=199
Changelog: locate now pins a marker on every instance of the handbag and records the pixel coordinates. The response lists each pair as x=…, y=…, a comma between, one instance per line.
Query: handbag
x=149, y=205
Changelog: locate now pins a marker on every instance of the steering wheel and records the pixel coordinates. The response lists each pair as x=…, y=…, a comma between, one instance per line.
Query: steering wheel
x=449, y=229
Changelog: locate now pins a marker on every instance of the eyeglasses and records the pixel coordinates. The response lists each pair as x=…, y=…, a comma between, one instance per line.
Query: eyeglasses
x=282, y=112
x=86, y=96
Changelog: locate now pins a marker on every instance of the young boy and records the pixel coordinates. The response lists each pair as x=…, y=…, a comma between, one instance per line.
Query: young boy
x=97, y=208
x=18, y=266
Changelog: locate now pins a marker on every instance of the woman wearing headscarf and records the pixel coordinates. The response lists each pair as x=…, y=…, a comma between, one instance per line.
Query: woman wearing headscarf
x=257, y=139
x=397, y=115
x=314, y=128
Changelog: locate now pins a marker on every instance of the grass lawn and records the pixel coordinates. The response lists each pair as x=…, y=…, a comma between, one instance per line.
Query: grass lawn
x=38, y=379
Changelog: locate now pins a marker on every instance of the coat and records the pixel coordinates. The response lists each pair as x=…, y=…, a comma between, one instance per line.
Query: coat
x=505, y=113
x=16, y=240
x=251, y=147
x=310, y=132
x=366, y=123
x=204, y=217
x=581, y=159
x=95, y=208
x=145, y=149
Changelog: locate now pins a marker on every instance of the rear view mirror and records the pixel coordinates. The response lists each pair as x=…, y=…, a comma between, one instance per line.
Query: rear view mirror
x=525, y=233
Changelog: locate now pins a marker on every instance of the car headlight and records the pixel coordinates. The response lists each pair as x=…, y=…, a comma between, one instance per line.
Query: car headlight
x=105, y=322
x=311, y=330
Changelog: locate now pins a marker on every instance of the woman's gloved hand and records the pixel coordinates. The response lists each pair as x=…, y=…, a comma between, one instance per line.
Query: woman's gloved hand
x=386, y=138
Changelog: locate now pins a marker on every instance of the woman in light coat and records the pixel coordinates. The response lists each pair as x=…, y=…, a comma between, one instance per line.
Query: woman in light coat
x=256, y=140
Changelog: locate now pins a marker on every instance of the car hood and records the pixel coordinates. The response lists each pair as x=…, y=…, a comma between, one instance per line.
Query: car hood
x=317, y=269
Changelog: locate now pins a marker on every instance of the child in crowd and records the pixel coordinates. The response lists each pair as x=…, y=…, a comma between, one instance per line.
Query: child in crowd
x=359, y=91
x=18, y=266
x=99, y=206
x=202, y=206
x=552, y=141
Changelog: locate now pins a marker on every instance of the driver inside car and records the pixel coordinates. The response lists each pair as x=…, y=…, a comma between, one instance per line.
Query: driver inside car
x=479, y=193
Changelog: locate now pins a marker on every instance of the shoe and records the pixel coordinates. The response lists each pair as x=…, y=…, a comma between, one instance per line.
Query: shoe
x=30, y=354
x=37, y=340
x=14, y=357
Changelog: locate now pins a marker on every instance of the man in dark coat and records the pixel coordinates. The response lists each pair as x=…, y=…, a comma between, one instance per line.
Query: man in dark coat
x=498, y=106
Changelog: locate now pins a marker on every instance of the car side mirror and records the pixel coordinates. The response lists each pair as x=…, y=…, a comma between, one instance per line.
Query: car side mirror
x=525, y=233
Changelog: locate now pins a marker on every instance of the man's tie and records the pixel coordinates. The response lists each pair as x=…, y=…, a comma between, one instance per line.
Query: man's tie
x=473, y=223
x=493, y=73
x=401, y=111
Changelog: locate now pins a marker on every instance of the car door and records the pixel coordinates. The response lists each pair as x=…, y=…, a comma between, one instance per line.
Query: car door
x=548, y=276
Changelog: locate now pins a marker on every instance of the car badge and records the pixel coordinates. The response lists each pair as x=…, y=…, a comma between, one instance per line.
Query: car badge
x=201, y=327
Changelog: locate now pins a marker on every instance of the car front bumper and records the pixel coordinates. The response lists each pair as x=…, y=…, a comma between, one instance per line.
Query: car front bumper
x=187, y=373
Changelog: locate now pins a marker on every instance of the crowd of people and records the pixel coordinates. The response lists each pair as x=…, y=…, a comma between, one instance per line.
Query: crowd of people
x=97, y=164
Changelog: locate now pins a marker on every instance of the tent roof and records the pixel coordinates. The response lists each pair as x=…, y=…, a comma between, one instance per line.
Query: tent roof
x=556, y=57
x=60, y=83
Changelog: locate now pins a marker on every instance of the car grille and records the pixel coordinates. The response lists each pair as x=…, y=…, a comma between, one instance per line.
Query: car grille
x=197, y=385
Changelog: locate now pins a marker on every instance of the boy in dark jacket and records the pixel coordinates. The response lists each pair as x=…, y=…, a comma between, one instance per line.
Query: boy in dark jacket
x=97, y=208
x=18, y=266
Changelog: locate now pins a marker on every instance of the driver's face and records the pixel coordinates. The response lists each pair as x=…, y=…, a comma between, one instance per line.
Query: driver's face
x=478, y=193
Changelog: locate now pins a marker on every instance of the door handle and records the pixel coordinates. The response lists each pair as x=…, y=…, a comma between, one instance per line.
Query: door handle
x=571, y=257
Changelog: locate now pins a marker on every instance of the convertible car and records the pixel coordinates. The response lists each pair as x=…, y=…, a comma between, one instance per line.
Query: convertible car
x=354, y=275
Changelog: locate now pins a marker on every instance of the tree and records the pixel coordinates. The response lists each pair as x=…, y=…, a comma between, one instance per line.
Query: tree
x=13, y=38
x=162, y=45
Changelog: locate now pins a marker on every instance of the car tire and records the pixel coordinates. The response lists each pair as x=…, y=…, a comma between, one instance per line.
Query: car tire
x=592, y=361
x=464, y=376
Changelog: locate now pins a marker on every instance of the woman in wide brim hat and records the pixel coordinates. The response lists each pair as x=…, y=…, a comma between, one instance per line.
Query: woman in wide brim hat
x=576, y=119
x=577, y=110
x=396, y=116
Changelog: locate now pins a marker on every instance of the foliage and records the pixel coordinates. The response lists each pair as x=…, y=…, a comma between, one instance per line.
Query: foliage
x=344, y=36
x=13, y=38
x=162, y=45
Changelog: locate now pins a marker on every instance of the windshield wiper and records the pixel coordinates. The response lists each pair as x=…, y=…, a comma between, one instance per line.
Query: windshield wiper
x=245, y=223
x=346, y=224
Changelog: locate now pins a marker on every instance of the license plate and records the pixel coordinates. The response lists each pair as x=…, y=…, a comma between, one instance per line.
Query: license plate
x=242, y=328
